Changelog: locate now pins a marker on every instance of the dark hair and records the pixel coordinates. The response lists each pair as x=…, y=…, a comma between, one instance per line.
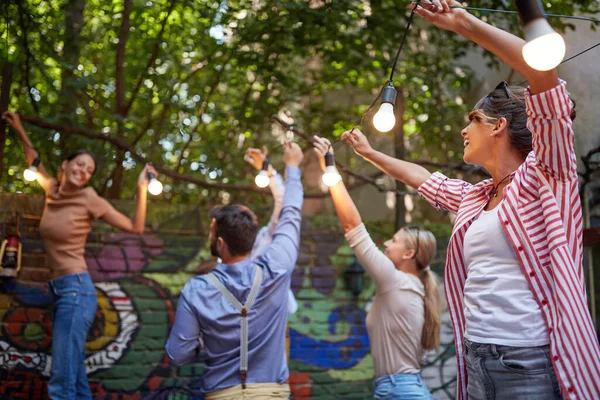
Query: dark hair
x=509, y=102
x=73, y=156
x=78, y=153
x=237, y=225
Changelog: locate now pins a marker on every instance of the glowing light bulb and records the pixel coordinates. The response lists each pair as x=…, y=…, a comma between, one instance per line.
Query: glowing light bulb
x=154, y=186
x=545, y=49
x=384, y=120
x=262, y=179
x=30, y=174
x=545, y=52
x=331, y=176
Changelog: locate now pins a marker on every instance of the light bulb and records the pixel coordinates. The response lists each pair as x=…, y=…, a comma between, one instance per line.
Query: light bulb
x=331, y=176
x=154, y=186
x=545, y=48
x=30, y=174
x=262, y=179
x=546, y=51
x=384, y=120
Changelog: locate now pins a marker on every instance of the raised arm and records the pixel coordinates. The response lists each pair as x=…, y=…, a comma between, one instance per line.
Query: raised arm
x=135, y=224
x=43, y=178
x=411, y=174
x=255, y=157
x=504, y=45
x=344, y=206
x=379, y=266
x=283, y=252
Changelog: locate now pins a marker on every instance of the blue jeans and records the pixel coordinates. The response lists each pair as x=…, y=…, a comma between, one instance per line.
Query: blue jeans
x=74, y=298
x=401, y=387
x=505, y=372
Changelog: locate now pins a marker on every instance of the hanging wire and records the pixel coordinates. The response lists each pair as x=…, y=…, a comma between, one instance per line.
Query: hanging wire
x=391, y=78
x=491, y=10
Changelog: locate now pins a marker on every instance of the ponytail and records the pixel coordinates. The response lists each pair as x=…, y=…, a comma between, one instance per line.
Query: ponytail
x=430, y=338
x=425, y=240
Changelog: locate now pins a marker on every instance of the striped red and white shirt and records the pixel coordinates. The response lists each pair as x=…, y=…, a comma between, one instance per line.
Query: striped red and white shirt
x=541, y=216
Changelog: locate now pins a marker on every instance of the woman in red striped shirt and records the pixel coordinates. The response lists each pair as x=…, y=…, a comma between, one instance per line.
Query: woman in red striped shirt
x=514, y=278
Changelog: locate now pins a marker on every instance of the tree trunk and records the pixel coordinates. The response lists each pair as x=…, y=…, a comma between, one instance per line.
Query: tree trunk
x=399, y=153
x=73, y=24
x=121, y=106
x=4, y=101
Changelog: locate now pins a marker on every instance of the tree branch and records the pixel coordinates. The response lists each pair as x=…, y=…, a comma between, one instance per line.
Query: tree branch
x=151, y=59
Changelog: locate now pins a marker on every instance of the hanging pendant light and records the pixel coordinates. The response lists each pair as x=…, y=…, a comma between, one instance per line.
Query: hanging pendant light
x=385, y=119
x=262, y=179
x=30, y=174
x=154, y=186
x=331, y=176
x=545, y=48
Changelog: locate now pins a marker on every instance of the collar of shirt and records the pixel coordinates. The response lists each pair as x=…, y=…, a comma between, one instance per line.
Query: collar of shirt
x=237, y=272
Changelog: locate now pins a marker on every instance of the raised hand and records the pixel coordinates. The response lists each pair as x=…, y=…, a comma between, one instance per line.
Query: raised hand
x=292, y=154
x=13, y=120
x=358, y=141
x=143, y=178
x=321, y=146
x=255, y=157
x=441, y=15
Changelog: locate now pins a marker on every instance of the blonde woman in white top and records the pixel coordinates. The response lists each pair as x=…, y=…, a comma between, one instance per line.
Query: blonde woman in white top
x=404, y=319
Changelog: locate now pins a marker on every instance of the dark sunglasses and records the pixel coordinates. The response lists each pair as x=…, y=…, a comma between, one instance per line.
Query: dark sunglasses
x=502, y=85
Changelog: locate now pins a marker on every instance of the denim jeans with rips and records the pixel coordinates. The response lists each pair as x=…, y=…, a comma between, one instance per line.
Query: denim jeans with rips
x=75, y=302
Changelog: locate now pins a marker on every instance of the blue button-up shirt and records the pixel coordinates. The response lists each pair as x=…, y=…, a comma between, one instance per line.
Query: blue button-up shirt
x=203, y=312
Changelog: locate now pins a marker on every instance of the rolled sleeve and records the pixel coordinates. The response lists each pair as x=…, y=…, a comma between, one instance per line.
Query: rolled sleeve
x=549, y=120
x=444, y=193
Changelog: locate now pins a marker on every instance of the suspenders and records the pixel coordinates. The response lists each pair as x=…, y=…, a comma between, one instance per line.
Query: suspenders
x=243, y=309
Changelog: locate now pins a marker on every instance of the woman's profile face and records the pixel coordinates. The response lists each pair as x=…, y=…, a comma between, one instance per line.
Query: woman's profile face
x=79, y=170
x=477, y=140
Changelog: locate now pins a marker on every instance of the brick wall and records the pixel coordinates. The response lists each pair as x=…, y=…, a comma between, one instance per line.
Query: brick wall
x=138, y=279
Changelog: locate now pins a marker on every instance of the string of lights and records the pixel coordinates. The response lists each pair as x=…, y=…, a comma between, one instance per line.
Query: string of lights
x=535, y=54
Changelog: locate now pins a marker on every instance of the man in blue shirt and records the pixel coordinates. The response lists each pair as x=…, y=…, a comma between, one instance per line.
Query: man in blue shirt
x=242, y=304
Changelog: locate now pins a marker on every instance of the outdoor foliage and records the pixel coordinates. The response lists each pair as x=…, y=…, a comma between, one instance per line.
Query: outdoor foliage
x=190, y=84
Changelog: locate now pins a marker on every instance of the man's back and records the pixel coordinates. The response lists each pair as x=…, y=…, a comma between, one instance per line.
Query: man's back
x=204, y=313
x=220, y=324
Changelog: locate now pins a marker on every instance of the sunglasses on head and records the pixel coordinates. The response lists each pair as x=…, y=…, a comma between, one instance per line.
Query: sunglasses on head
x=502, y=85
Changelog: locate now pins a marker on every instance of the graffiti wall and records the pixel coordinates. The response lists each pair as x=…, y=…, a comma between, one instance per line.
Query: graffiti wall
x=138, y=279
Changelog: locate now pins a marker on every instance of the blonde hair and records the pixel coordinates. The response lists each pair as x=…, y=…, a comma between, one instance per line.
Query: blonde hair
x=424, y=239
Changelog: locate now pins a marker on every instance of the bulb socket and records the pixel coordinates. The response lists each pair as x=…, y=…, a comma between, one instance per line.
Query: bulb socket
x=389, y=94
x=151, y=176
x=329, y=159
x=265, y=164
x=529, y=10
x=36, y=162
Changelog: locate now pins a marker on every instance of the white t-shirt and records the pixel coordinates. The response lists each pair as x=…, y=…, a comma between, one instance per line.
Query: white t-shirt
x=499, y=305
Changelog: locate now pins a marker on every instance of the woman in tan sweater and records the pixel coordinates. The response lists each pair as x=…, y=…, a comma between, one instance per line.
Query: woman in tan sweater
x=405, y=316
x=68, y=213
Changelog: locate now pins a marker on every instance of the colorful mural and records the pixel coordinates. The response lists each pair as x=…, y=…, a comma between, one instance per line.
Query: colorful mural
x=138, y=279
